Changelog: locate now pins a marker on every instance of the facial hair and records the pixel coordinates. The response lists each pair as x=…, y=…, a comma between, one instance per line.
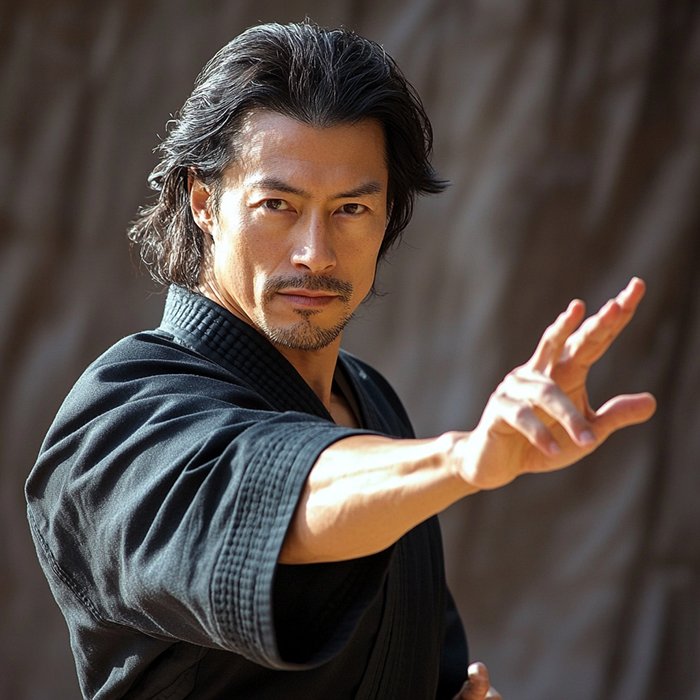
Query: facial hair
x=305, y=334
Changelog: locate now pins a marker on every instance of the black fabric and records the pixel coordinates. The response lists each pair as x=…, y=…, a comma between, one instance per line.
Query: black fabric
x=159, y=504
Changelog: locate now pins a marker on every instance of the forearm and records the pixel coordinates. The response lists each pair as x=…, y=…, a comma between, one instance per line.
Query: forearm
x=366, y=491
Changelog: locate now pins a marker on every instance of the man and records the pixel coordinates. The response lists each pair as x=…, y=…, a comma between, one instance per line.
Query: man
x=232, y=506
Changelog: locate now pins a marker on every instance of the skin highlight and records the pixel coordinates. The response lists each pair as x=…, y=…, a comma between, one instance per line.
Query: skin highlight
x=295, y=234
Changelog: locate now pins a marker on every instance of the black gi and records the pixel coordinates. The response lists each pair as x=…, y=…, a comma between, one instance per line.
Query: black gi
x=159, y=504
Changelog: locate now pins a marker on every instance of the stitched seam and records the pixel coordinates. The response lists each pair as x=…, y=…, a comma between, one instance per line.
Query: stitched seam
x=63, y=575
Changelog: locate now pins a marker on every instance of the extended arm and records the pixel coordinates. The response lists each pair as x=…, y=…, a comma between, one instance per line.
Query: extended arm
x=364, y=492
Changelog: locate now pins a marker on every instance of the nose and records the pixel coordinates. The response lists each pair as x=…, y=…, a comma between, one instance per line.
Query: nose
x=312, y=250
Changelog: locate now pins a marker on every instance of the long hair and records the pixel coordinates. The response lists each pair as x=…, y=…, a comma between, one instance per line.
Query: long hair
x=321, y=77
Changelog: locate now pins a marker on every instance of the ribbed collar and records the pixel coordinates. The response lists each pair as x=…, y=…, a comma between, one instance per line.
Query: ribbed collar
x=207, y=328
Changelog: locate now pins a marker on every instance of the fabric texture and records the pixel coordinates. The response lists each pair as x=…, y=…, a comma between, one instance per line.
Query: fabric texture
x=570, y=133
x=159, y=505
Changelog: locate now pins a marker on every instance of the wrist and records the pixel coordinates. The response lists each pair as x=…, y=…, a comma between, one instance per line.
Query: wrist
x=453, y=446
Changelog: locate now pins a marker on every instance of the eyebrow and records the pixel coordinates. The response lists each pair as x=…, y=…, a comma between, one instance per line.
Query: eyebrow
x=273, y=183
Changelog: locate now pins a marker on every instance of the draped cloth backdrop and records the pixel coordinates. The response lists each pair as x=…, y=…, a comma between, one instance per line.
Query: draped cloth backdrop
x=571, y=134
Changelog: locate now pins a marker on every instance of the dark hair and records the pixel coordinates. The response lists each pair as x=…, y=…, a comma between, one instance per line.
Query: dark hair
x=322, y=77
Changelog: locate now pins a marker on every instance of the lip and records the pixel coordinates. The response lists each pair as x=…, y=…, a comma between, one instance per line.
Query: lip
x=307, y=297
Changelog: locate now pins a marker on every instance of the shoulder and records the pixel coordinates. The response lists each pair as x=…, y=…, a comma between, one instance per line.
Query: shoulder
x=147, y=376
x=146, y=348
x=154, y=358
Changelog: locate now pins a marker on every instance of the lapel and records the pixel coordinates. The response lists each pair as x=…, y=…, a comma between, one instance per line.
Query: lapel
x=201, y=325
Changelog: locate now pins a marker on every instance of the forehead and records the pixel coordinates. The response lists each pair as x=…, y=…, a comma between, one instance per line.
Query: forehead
x=270, y=143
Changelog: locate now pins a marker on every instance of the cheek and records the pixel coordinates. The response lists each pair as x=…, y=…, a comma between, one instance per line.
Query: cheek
x=244, y=262
x=227, y=240
x=224, y=256
x=365, y=265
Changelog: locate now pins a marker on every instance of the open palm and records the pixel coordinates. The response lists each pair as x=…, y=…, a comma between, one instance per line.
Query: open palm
x=539, y=418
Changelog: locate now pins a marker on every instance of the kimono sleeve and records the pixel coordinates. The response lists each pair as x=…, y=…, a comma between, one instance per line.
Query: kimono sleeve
x=162, y=496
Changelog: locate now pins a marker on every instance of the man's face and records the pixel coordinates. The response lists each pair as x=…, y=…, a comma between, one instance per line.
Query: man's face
x=300, y=220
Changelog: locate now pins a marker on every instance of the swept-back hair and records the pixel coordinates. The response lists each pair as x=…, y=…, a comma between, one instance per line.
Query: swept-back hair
x=321, y=77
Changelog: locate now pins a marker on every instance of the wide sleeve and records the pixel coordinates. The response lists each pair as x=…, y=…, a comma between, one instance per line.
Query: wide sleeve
x=162, y=496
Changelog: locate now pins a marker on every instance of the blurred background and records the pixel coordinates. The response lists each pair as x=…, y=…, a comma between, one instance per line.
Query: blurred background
x=570, y=131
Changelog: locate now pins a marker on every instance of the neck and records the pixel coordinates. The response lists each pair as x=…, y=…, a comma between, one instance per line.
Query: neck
x=316, y=368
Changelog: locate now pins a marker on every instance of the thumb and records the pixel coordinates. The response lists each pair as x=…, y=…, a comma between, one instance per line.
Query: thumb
x=478, y=683
x=624, y=410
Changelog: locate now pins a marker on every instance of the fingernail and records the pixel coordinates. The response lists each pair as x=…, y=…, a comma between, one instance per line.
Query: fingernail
x=476, y=672
x=587, y=437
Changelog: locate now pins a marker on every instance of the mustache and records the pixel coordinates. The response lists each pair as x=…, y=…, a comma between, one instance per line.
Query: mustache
x=315, y=283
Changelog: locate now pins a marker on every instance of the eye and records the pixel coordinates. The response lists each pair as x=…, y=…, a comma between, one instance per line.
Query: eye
x=275, y=204
x=353, y=209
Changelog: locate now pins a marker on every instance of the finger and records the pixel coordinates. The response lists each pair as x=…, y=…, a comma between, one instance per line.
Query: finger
x=521, y=417
x=524, y=390
x=477, y=685
x=632, y=294
x=623, y=411
x=553, y=339
x=597, y=333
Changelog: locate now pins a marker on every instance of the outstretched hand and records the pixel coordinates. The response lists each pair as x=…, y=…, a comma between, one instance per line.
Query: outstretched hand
x=539, y=418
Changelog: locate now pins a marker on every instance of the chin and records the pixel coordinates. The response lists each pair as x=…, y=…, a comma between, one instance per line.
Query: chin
x=303, y=335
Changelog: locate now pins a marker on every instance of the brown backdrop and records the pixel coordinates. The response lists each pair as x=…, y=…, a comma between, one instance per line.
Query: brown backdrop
x=571, y=133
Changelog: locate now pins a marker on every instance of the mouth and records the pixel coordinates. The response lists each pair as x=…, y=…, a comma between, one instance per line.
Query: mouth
x=307, y=297
x=310, y=292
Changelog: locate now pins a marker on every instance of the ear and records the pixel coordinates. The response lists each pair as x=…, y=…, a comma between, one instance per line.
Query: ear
x=200, y=203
